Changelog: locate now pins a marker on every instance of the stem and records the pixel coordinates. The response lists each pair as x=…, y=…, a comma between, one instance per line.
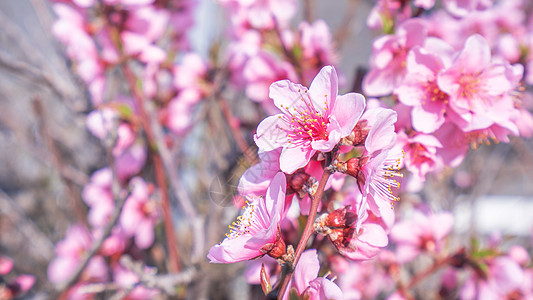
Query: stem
x=308, y=231
x=158, y=169
x=424, y=274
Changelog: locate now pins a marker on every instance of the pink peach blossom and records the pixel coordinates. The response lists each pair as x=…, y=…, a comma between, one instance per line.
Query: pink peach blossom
x=478, y=87
x=419, y=89
x=389, y=54
x=378, y=167
x=140, y=214
x=310, y=121
x=256, y=229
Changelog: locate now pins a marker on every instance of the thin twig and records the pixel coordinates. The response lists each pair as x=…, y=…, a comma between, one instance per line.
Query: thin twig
x=29, y=72
x=149, y=278
x=345, y=27
x=233, y=124
x=26, y=226
x=58, y=162
x=158, y=168
x=97, y=244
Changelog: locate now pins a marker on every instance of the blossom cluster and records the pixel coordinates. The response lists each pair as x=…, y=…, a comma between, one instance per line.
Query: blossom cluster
x=457, y=81
x=318, y=218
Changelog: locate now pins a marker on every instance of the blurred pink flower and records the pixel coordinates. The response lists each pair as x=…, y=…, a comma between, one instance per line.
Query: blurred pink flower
x=69, y=254
x=257, y=231
x=98, y=196
x=260, y=71
x=420, y=153
x=419, y=89
x=461, y=8
x=6, y=264
x=306, y=282
x=129, y=281
x=389, y=54
x=140, y=214
x=311, y=121
x=478, y=88
x=361, y=279
x=421, y=232
x=503, y=276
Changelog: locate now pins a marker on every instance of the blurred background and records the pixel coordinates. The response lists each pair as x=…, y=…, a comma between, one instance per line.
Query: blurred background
x=47, y=155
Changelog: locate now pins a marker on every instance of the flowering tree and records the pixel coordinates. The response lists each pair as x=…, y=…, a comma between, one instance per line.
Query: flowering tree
x=336, y=187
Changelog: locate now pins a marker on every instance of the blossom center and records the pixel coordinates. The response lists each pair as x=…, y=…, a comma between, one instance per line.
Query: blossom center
x=434, y=93
x=244, y=224
x=305, y=122
x=469, y=85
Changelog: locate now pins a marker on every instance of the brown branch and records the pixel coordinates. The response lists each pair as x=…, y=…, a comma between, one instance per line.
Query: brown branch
x=308, y=231
x=57, y=161
x=158, y=168
x=11, y=209
x=149, y=278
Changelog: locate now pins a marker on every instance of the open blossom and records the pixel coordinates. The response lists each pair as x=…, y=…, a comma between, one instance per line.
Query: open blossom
x=257, y=231
x=419, y=89
x=421, y=232
x=389, y=54
x=478, y=87
x=311, y=120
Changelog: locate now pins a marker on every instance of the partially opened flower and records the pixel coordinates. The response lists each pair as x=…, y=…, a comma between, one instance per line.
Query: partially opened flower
x=311, y=120
x=257, y=231
x=377, y=168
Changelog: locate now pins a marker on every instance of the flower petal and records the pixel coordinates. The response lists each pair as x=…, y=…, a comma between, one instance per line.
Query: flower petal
x=324, y=88
x=270, y=134
x=348, y=110
x=293, y=158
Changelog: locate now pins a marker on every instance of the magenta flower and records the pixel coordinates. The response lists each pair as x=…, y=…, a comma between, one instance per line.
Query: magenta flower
x=257, y=231
x=311, y=120
x=422, y=232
